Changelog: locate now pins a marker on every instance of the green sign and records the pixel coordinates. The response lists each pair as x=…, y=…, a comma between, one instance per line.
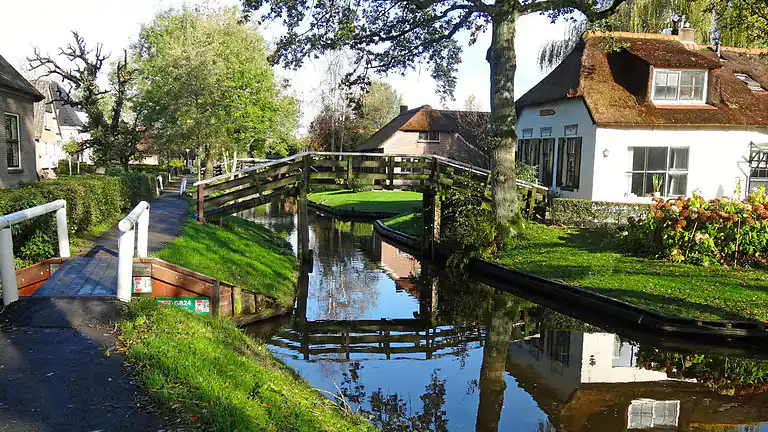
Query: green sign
x=198, y=305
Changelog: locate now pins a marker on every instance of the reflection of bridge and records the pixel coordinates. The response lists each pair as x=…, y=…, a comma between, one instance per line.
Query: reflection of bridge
x=391, y=338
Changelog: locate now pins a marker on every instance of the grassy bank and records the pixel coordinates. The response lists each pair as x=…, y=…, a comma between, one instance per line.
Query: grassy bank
x=211, y=374
x=587, y=258
x=242, y=253
x=409, y=223
x=373, y=202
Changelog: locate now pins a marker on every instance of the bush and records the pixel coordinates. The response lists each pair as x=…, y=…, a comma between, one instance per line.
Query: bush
x=720, y=231
x=85, y=168
x=91, y=200
x=591, y=214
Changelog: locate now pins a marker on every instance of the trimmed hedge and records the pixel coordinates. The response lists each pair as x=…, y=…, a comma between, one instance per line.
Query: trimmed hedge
x=85, y=168
x=590, y=214
x=91, y=200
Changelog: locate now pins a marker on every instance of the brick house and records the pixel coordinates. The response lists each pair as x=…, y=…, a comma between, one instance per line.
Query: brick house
x=17, y=136
x=424, y=130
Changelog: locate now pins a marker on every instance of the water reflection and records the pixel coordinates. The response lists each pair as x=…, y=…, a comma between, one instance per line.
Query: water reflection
x=416, y=349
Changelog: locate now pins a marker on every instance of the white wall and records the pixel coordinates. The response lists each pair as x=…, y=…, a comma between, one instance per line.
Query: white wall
x=599, y=365
x=567, y=112
x=716, y=158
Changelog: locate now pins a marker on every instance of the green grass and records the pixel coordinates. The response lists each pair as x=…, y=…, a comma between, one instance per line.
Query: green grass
x=242, y=253
x=211, y=374
x=410, y=223
x=373, y=202
x=588, y=258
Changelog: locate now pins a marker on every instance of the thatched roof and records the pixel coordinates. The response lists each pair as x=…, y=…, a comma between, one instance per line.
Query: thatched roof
x=12, y=80
x=425, y=118
x=615, y=86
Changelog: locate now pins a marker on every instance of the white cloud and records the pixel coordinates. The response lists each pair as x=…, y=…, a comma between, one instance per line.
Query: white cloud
x=47, y=24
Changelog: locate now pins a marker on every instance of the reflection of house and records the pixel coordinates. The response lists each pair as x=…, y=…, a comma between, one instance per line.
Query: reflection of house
x=56, y=123
x=423, y=130
x=591, y=382
x=401, y=267
x=17, y=136
x=659, y=115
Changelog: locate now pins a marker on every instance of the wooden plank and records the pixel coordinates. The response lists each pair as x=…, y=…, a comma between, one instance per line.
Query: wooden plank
x=371, y=176
x=327, y=163
x=410, y=176
x=232, y=196
x=32, y=275
x=370, y=164
x=229, y=184
x=62, y=285
x=182, y=281
x=293, y=168
x=79, y=280
x=93, y=279
x=275, y=185
x=327, y=175
x=53, y=280
x=412, y=165
x=107, y=284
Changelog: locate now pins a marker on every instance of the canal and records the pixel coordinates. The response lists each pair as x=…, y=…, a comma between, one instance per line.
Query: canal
x=418, y=348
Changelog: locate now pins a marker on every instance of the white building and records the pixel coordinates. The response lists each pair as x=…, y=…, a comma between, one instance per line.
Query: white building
x=660, y=116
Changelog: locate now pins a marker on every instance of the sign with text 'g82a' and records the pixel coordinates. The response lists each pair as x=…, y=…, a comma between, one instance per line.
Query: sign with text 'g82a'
x=198, y=305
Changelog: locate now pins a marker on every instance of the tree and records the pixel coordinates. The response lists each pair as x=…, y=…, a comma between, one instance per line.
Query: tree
x=741, y=23
x=204, y=80
x=379, y=105
x=113, y=127
x=396, y=35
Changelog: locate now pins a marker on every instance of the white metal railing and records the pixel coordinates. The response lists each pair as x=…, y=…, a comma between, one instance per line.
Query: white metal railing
x=183, y=186
x=159, y=187
x=7, y=265
x=133, y=235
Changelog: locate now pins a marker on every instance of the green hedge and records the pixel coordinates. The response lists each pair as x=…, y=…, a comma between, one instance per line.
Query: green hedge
x=590, y=214
x=85, y=168
x=91, y=200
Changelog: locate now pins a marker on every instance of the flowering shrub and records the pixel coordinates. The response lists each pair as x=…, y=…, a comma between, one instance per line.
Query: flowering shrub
x=720, y=231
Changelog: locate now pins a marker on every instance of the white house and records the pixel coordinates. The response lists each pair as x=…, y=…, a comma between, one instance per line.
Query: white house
x=662, y=115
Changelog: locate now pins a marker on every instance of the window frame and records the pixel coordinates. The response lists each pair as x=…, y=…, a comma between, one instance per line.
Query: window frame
x=667, y=171
x=17, y=141
x=428, y=139
x=565, y=170
x=677, y=100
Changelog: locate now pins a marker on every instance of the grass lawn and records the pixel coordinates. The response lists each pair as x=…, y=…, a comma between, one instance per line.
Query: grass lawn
x=242, y=253
x=373, y=201
x=588, y=259
x=217, y=378
x=410, y=223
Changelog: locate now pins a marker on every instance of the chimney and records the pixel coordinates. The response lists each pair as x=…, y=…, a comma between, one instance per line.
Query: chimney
x=403, y=108
x=687, y=35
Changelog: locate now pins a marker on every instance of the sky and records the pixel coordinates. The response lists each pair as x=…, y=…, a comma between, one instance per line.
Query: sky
x=116, y=24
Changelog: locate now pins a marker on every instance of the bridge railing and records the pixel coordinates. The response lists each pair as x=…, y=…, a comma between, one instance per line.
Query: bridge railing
x=133, y=235
x=258, y=184
x=7, y=262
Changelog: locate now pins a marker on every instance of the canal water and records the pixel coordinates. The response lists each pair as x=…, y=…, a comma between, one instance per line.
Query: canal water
x=417, y=349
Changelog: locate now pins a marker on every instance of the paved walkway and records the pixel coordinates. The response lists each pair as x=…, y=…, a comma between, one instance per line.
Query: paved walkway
x=54, y=371
x=166, y=220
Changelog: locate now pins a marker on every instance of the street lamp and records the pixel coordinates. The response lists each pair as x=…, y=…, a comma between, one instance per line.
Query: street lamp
x=188, y=164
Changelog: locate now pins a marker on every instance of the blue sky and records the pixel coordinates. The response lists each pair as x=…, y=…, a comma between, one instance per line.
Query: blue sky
x=47, y=23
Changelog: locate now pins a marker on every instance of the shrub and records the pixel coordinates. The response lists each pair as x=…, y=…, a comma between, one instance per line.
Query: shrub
x=719, y=231
x=91, y=200
x=527, y=173
x=591, y=214
x=360, y=185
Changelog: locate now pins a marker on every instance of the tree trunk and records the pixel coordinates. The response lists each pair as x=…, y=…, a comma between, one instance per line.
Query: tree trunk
x=208, y=162
x=503, y=62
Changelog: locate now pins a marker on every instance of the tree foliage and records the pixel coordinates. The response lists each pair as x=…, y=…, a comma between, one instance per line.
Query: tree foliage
x=111, y=124
x=344, y=127
x=395, y=36
x=205, y=82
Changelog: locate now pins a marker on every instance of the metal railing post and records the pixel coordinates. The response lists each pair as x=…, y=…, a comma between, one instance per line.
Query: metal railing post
x=62, y=233
x=142, y=234
x=183, y=186
x=7, y=267
x=159, y=187
x=126, y=241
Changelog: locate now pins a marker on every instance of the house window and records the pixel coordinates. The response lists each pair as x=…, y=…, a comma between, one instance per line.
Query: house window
x=539, y=153
x=662, y=170
x=750, y=82
x=527, y=132
x=649, y=413
x=679, y=86
x=429, y=136
x=546, y=132
x=568, y=163
x=12, y=143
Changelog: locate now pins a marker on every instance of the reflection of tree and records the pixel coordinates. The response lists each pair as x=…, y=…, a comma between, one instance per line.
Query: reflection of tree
x=343, y=286
x=389, y=412
x=724, y=374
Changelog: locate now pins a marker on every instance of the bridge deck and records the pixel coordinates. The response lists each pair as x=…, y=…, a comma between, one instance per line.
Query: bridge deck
x=82, y=276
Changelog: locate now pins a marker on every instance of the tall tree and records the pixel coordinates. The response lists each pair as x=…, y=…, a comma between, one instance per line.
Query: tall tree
x=380, y=104
x=111, y=124
x=397, y=35
x=204, y=80
x=741, y=23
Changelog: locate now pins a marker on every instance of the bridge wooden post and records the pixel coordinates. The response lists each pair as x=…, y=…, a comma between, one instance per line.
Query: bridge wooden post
x=201, y=203
x=391, y=172
x=350, y=173
x=431, y=209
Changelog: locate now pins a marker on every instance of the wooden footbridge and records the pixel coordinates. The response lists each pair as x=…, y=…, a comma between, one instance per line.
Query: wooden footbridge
x=298, y=174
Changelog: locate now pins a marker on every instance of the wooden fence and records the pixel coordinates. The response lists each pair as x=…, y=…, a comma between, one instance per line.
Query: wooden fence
x=292, y=176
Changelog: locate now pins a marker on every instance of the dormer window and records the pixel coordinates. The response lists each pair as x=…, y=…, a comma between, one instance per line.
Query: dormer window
x=751, y=83
x=679, y=87
x=429, y=136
